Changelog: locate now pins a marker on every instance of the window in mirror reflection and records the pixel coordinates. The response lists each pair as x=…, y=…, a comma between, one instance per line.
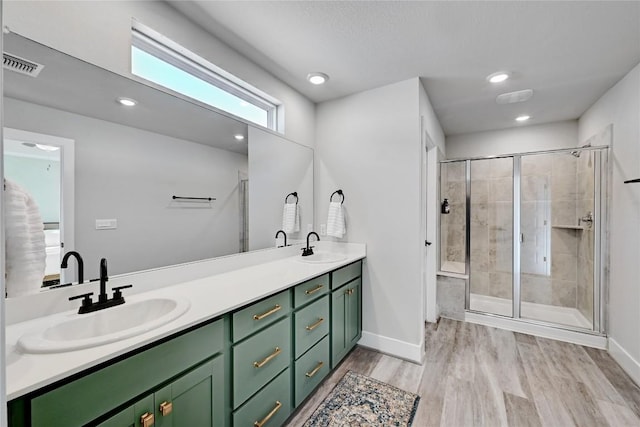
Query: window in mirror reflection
x=170, y=65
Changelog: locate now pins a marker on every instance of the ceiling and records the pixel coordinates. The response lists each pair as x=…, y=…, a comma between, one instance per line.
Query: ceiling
x=569, y=53
x=69, y=84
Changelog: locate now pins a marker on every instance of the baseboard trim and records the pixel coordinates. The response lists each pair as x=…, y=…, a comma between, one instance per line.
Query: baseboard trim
x=392, y=347
x=625, y=360
x=589, y=340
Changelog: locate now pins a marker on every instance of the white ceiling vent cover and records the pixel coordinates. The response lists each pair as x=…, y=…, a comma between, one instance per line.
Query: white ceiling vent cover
x=21, y=65
x=514, y=97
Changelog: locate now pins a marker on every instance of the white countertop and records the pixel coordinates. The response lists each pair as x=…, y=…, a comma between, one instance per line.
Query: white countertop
x=209, y=297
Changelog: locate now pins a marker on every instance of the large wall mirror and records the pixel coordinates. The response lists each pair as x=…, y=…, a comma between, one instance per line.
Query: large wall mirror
x=104, y=175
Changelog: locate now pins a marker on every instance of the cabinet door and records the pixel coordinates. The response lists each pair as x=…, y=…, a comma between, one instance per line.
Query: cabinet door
x=195, y=399
x=353, y=313
x=346, y=323
x=338, y=320
x=131, y=416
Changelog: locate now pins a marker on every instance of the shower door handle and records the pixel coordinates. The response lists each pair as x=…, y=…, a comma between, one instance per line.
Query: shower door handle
x=521, y=237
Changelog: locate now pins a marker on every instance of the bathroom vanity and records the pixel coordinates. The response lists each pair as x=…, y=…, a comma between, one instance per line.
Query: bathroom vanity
x=254, y=343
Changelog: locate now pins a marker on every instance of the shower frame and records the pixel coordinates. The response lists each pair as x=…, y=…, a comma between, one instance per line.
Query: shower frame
x=602, y=190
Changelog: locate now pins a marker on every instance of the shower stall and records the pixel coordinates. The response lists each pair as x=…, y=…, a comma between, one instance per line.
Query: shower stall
x=527, y=232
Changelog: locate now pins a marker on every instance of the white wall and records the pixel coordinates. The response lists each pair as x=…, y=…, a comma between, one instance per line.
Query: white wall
x=99, y=32
x=369, y=145
x=520, y=139
x=621, y=106
x=277, y=167
x=130, y=175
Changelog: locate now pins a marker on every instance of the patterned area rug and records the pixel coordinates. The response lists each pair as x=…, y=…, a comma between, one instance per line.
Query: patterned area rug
x=358, y=400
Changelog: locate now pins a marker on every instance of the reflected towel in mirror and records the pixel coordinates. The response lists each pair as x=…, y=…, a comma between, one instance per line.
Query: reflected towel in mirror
x=291, y=218
x=335, y=221
x=25, y=244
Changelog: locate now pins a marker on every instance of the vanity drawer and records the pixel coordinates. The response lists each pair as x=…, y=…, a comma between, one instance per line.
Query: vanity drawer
x=311, y=324
x=270, y=407
x=346, y=274
x=261, y=314
x=310, y=369
x=310, y=290
x=260, y=358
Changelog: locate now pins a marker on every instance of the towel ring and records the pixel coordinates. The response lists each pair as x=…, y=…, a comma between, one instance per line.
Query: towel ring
x=294, y=194
x=338, y=192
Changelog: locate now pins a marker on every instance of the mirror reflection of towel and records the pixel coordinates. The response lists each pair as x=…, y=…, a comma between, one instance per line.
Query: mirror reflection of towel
x=290, y=218
x=25, y=245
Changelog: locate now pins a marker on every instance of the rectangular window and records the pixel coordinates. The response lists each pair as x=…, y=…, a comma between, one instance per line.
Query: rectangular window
x=161, y=61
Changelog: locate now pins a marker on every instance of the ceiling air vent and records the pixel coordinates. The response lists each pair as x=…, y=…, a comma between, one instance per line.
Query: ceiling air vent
x=21, y=65
x=514, y=97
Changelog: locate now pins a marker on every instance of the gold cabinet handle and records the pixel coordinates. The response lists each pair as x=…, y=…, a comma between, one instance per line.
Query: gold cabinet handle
x=166, y=408
x=268, y=358
x=314, y=290
x=315, y=325
x=267, y=313
x=269, y=415
x=348, y=292
x=147, y=419
x=315, y=370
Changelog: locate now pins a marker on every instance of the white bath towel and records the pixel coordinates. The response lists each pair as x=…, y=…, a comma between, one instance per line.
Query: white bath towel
x=25, y=244
x=291, y=218
x=335, y=222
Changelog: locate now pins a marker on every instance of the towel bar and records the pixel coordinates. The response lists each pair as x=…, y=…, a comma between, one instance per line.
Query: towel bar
x=193, y=198
x=632, y=181
x=294, y=194
x=338, y=192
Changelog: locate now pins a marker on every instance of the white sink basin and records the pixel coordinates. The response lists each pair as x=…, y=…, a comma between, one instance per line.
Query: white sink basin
x=105, y=326
x=322, y=258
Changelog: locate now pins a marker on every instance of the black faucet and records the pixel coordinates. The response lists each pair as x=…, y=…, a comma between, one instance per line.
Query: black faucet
x=285, y=237
x=309, y=249
x=104, y=278
x=89, y=306
x=78, y=258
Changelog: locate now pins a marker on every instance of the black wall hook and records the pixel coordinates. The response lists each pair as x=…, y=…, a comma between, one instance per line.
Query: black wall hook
x=338, y=192
x=294, y=194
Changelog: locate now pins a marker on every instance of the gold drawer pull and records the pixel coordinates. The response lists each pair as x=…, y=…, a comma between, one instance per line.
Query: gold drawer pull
x=315, y=325
x=348, y=292
x=268, y=358
x=269, y=415
x=166, y=408
x=314, y=290
x=147, y=419
x=315, y=370
x=268, y=313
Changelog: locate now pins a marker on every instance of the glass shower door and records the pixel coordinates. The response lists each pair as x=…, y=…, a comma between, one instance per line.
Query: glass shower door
x=491, y=236
x=557, y=237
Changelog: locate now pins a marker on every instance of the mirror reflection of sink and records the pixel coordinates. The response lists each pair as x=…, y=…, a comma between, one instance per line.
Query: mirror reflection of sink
x=322, y=258
x=105, y=326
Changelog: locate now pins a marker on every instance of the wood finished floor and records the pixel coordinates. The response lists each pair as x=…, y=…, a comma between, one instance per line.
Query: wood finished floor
x=480, y=376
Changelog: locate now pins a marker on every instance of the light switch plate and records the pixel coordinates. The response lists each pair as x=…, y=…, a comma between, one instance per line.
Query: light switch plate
x=323, y=229
x=106, y=224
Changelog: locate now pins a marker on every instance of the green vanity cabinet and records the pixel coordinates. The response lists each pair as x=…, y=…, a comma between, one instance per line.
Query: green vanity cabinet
x=346, y=319
x=107, y=388
x=194, y=399
x=251, y=367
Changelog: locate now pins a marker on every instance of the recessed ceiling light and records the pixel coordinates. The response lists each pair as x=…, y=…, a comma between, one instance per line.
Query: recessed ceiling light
x=47, y=147
x=317, y=78
x=127, y=102
x=238, y=137
x=498, y=77
x=522, y=118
